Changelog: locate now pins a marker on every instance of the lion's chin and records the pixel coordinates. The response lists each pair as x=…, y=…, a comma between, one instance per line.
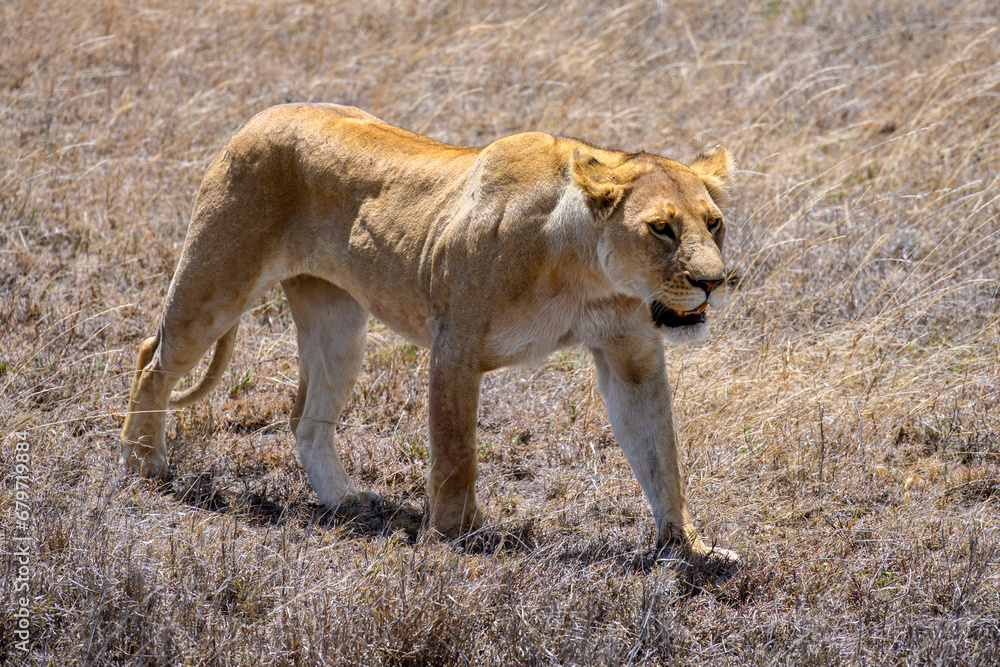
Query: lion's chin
x=680, y=328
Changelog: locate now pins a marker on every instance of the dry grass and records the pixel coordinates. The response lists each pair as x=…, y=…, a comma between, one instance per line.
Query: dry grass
x=842, y=428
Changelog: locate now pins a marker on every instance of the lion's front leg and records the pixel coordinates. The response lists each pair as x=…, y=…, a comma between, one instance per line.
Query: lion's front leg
x=454, y=402
x=632, y=380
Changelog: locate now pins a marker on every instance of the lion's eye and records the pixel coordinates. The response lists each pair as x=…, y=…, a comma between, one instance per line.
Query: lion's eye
x=713, y=225
x=663, y=229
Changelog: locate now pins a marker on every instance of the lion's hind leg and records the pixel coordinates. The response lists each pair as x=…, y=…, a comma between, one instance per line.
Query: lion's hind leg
x=138, y=432
x=185, y=335
x=331, y=331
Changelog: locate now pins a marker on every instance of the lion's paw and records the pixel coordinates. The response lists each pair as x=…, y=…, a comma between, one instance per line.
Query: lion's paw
x=455, y=524
x=368, y=499
x=355, y=503
x=709, y=556
x=144, y=460
x=720, y=556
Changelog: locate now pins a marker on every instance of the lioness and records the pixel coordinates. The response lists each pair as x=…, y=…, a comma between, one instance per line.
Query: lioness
x=488, y=256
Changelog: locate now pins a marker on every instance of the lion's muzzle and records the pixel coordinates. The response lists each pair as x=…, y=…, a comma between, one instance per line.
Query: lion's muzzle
x=668, y=317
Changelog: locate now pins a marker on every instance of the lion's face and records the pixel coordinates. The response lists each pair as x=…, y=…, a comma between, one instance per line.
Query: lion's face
x=663, y=235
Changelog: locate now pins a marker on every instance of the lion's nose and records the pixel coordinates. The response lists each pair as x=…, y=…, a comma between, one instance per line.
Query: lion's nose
x=707, y=285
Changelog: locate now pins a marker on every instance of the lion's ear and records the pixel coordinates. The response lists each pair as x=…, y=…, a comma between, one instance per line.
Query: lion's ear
x=598, y=183
x=716, y=168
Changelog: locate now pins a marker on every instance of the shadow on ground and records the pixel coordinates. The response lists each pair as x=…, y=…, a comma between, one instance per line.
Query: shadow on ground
x=380, y=518
x=385, y=516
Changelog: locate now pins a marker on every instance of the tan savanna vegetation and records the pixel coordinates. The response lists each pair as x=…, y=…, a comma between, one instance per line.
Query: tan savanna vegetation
x=841, y=429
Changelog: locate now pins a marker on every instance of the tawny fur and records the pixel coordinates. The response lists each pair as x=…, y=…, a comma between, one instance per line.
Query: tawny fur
x=488, y=256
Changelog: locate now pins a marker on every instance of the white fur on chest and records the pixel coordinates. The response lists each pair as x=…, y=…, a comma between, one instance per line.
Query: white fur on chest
x=530, y=331
x=528, y=337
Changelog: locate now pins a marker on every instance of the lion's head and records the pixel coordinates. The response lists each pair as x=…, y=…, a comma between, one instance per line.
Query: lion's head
x=662, y=232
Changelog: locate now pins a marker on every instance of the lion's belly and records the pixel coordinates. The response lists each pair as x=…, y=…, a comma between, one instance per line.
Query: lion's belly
x=525, y=338
x=407, y=323
x=528, y=351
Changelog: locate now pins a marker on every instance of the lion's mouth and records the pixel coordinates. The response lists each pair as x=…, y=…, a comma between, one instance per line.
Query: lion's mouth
x=668, y=317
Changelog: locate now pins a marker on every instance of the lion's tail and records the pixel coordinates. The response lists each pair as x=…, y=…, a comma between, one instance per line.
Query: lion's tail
x=220, y=361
